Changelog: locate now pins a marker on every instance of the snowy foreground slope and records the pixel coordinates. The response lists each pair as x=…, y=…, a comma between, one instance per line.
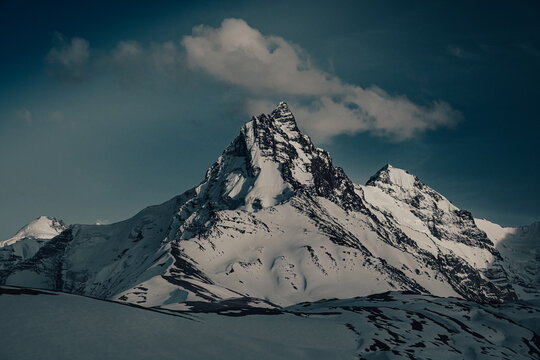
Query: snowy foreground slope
x=37, y=324
x=275, y=220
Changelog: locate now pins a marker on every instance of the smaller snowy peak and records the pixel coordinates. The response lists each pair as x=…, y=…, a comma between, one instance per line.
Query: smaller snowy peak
x=444, y=220
x=403, y=186
x=395, y=177
x=44, y=227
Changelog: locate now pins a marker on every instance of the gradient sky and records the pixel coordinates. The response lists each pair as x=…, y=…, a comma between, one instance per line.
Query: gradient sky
x=108, y=107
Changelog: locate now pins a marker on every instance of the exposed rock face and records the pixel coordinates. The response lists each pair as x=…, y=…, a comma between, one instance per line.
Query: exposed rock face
x=274, y=219
x=270, y=161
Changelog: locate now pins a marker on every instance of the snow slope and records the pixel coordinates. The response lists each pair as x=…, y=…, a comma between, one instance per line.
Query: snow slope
x=274, y=219
x=520, y=249
x=436, y=225
x=37, y=324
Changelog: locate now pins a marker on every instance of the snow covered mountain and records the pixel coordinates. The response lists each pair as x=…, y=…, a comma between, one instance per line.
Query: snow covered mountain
x=274, y=219
x=42, y=228
x=29, y=240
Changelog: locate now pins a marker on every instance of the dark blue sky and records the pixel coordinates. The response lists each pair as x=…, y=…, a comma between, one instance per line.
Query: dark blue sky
x=126, y=115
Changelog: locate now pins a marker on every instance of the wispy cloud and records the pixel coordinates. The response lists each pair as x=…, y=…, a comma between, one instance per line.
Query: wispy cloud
x=132, y=62
x=271, y=65
x=69, y=60
x=128, y=61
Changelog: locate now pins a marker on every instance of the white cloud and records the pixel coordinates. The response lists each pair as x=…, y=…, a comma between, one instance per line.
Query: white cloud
x=270, y=65
x=70, y=60
x=237, y=53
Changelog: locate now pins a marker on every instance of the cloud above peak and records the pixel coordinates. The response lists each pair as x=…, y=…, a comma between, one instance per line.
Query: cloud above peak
x=324, y=105
x=269, y=67
x=237, y=53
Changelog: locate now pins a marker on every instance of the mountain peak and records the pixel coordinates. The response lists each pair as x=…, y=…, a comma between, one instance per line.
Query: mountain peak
x=279, y=123
x=395, y=177
x=270, y=161
x=44, y=227
x=282, y=111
